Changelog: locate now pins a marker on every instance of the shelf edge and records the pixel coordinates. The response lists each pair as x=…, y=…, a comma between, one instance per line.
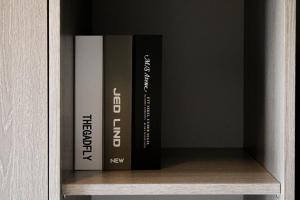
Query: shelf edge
x=171, y=189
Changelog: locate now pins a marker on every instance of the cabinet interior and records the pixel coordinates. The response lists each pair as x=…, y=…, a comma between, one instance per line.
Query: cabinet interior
x=222, y=76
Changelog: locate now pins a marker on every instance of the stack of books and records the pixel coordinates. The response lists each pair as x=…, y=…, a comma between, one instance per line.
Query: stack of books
x=118, y=102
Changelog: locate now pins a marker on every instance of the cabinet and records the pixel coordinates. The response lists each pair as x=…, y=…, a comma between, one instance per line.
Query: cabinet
x=228, y=101
x=23, y=100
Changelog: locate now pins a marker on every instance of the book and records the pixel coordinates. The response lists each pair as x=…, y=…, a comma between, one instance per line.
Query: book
x=146, y=139
x=88, y=102
x=118, y=101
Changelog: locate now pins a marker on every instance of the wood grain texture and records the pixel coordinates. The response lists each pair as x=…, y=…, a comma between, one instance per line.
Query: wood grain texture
x=184, y=172
x=172, y=197
x=290, y=88
x=54, y=101
x=270, y=88
x=23, y=100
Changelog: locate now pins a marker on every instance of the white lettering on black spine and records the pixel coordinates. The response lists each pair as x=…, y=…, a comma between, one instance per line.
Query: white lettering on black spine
x=116, y=121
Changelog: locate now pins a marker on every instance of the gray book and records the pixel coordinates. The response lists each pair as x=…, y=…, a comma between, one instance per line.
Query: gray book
x=118, y=101
x=88, y=102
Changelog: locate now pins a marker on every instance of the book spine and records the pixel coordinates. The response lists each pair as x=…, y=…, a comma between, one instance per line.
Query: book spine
x=88, y=102
x=146, y=140
x=118, y=101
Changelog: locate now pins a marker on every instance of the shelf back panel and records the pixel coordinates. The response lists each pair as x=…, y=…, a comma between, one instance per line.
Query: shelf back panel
x=202, y=73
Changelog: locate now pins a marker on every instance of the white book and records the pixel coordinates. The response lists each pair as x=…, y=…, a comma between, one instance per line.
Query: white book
x=88, y=102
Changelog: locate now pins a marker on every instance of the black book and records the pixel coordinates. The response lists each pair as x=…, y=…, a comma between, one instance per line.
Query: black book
x=146, y=138
x=117, y=101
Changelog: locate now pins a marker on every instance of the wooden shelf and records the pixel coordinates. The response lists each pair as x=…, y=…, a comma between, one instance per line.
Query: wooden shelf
x=184, y=172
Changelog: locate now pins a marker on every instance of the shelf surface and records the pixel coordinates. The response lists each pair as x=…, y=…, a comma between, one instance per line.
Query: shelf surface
x=184, y=172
